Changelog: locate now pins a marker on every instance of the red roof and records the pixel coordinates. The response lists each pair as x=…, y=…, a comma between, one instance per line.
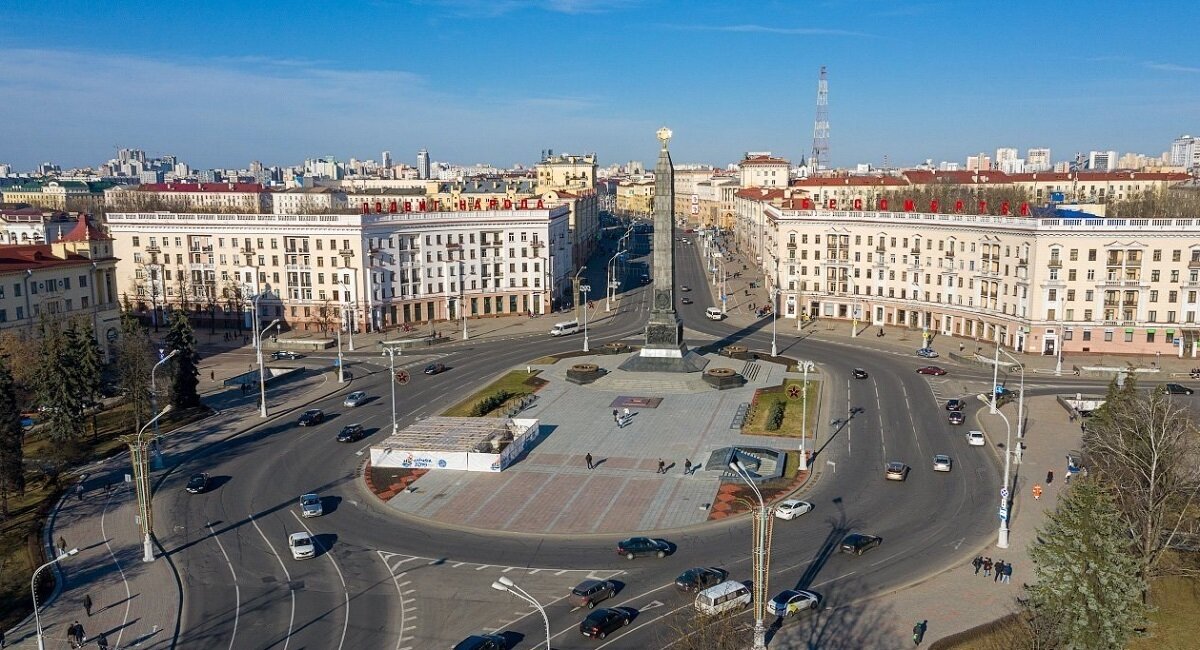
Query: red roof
x=850, y=181
x=1100, y=177
x=760, y=193
x=84, y=231
x=201, y=187
x=17, y=258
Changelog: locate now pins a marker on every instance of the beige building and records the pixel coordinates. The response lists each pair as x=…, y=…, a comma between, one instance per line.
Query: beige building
x=1120, y=286
x=763, y=170
x=191, y=197
x=635, y=196
x=308, y=200
x=70, y=196
x=570, y=172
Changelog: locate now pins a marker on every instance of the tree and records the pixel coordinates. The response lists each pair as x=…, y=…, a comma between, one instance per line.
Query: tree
x=1146, y=446
x=1088, y=593
x=58, y=388
x=87, y=364
x=185, y=371
x=21, y=350
x=134, y=362
x=12, y=437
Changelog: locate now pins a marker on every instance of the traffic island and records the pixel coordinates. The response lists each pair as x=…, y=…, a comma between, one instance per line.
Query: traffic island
x=723, y=378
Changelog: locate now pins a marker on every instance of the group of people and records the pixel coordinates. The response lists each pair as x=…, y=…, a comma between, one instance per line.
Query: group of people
x=999, y=571
x=76, y=637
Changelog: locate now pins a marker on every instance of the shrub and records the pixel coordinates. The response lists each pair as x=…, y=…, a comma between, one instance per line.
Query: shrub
x=491, y=402
x=775, y=419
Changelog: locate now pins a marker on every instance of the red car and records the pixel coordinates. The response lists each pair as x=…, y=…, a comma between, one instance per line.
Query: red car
x=930, y=370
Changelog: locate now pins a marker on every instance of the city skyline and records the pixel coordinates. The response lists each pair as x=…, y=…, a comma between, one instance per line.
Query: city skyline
x=468, y=81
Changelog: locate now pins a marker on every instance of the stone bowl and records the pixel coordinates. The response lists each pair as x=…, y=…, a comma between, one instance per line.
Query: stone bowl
x=723, y=378
x=584, y=373
x=735, y=351
x=615, y=347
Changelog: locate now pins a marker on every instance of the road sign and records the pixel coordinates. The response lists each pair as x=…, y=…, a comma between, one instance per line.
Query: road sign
x=1003, y=493
x=793, y=391
x=1004, y=513
x=401, y=377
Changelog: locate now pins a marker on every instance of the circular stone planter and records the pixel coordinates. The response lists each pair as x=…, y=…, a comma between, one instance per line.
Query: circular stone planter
x=584, y=373
x=615, y=348
x=735, y=351
x=723, y=378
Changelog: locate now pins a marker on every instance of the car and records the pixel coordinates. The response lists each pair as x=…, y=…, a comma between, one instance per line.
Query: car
x=896, y=471
x=637, y=546
x=927, y=353
x=311, y=417
x=714, y=313
x=350, y=433
x=590, y=592
x=792, y=508
x=685, y=300
x=859, y=373
x=435, y=369
x=956, y=417
x=1002, y=392
x=482, y=642
x=310, y=505
x=858, y=543
x=684, y=288
x=302, y=546
x=700, y=578
x=197, y=483
x=603, y=622
x=792, y=601
x=954, y=404
x=356, y=398
x=1178, y=389
x=941, y=463
x=284, y=354
x=930, y=370
x=976, y=439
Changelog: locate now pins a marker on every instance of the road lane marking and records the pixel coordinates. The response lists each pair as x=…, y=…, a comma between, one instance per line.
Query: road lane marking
x=124, y=580
x=286, y=574
x=237, y=591
x=345, y=590
x=386, y=558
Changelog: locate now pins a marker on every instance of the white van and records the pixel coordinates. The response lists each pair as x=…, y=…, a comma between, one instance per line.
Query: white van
x=714, y=313
x=564, y=328
x=728, y=595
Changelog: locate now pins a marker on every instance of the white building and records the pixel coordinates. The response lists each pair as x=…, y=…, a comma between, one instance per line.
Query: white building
x=308, y=200
x=1037, y=160
x=423, y=171
x=763, y=170
x=1104, y=161
x=1185, y=152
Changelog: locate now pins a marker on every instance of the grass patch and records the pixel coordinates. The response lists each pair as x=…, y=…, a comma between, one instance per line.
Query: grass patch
x=763, y=417
x=512, y=386
x=21, y=548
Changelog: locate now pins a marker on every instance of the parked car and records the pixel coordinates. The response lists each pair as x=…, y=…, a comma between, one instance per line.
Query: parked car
x=482, y=642
x=302, y=546
x=435, y=369
x=792, y=508
x=590, y=592
x=603, y=622
x=927, y=353
x=311, y=417
x=954, y=404
x=197, y=483
x=930, y=370
x=284, y=354
x=976, y=439
x=896, y=471
x=792, y=601
x=638, y=546
x=1178, y=389
x=350, y=433
x=700, y=578
x=956, y=417
x=941, y=463
x=310, y=505
x=859, y=373
x=858, y=543
x=356, y=398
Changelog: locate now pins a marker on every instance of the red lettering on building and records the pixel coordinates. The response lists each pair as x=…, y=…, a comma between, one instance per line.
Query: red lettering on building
x=858, y=204
x=805, y=204
x=524, y=204
x=983, y=207
x=958, y=206
x=507, y=204
x=540, y=205
x=366, y=208
x=933, y=205
x=909, y=205
x=378, y=206
x=1024, y=209
x=831, y=204
x=883, y=205
x=392, y=206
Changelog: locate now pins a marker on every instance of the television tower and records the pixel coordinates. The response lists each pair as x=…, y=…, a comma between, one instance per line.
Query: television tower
x=820, y=149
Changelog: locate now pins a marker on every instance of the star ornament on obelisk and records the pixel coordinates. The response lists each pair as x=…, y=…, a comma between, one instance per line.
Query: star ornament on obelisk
x=664, y=349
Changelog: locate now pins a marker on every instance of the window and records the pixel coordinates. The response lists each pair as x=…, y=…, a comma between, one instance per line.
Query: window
x=1156, y=255
x=1153, y=296
x=137, y=241
x=1074, y=255
x=1087, y=335
x=1155, y=275
x=1152, y=316
x=1172, y=297
x=1176, y=256
x=1092, y=255
x=1108, y=336
x=1129, y=337
x=1070, y=294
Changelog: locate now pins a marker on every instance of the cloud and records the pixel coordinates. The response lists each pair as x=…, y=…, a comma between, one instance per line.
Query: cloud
x=763, y=29
x=1170, y=67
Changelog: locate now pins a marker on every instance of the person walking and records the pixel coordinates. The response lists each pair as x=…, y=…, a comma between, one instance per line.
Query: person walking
x=101, y=641
x=687, y=466
x=87, y=604
x=615, y=418
x=977, y=563
x=1007, y=578
x=999, y=567
x=919, y=632
x=79, y=491
x=71, y=635
x=212, y=375
x=987, y=567
x=662, y=467
x=1049, y=477
x=62, y=546
x=588, y=458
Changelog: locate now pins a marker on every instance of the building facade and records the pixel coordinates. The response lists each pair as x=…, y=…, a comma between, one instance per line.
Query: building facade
x=763, y=170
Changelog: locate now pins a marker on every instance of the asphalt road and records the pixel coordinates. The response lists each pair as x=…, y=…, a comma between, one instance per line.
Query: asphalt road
x=243, y=590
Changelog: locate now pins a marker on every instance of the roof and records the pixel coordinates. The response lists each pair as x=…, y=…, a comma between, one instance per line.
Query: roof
x=201, y=187
x=760, y=193
x=18, y=258
x=850, y=181
x=84, y=231
x=762, y=160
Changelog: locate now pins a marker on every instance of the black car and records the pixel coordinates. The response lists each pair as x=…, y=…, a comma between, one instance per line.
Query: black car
x=198, y=483
x=637, y=546
x=351, y=433
x=601, y=622
x=859, y=373
x=311, y=417
x=435, y=368
x=954, y=404
x=482, y=642
x=956, y=417
x=858, y=543
x=685, y=300
x=701, y=578
x=1178, y=389
x=284, y=354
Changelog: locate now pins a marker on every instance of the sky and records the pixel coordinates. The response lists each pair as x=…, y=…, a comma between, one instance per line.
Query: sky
x=221, y=83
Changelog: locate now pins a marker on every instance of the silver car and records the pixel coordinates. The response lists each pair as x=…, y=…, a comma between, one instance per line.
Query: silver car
x=355, y=398
x=310, y=505
x=941, y=463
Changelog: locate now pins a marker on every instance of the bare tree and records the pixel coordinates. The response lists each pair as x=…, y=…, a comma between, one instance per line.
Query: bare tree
x=326, y=314
x=1166, y=203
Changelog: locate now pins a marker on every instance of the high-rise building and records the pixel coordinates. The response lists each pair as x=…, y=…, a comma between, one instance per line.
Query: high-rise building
x=423, y=164
x=386, y=160
x=1005, y=154
x=1037, y=160
x=1185, y=152
x=979, y=162
x=1102, y=161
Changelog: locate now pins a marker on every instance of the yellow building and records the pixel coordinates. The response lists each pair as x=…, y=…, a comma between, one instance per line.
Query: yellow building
x=635, y=197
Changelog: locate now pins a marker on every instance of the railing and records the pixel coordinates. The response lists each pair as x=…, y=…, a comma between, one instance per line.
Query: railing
x=1054, y=263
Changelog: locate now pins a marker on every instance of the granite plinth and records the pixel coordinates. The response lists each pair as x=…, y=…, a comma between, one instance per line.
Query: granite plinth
x=685, y=361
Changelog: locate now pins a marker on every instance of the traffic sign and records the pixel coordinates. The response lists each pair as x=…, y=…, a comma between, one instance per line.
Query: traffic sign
x=1004, y=513
x=401, y=377
x=1003, y=493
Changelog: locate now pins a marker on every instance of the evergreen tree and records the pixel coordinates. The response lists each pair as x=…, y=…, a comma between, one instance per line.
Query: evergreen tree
x=134, y=362
x=87, y=364
x=1089, y=590
x=12, y=436
x=185, y=371
x=58, y=388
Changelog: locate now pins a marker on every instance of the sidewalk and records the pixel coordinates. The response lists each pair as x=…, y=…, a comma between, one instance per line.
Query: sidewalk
x=137, y=603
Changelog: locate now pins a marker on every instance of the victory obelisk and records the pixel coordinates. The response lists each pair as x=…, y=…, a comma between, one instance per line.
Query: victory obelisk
x=664, y=349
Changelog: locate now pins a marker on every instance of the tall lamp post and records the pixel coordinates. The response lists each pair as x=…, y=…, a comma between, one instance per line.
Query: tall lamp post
x=1020, y=398
x=1002, y=541
x=774, y=317
x=154, y=402
x=762, y=542
x=575, y=287
x=262, y=370
x=37, y=619
x=585, y=288
x=505, y=584
x=141, y=482
x=390, y=351
x=611, y=288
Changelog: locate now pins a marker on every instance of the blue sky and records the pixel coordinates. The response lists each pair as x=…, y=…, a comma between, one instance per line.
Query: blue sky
x=220, y=83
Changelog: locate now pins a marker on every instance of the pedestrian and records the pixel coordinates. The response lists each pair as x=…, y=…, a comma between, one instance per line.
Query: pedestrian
x=987, y=567
x=80, y=635
x=1007, y=574
x=212, y=375
x=687, y=466
x=999, y=567
x=626, y=412
x=977, y=563
x=79, y=491
x=1037, y=491
x=62, y=546
x=1069, y=477
x=588, y=458
x=662, y=467
x=101, y=641
x=71, y=636
x=87, y=604
x=107, y=487
x=961, y=347
x=1049, y=477
x=615, y=418
x=919, y=632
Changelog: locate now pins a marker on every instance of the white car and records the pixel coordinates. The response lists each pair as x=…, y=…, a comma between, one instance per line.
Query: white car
x=941, y=463
x=355, y=398
x=302, y=546
x=793, y=601
x=792, y=508
x=976, y=439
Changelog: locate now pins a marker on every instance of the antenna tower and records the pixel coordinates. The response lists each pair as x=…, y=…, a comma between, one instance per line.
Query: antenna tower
x=820, y=149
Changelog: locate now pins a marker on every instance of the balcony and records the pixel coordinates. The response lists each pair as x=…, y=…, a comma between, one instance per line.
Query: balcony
x=950, y=254
x=198, y=266
x=915, y=250
x=1192, y=264
x=1129, y=303
x=1121, y=283
x=297, y=267
x=1054, y=263
x=880, y=249
x=1023, y=262
x=791, y=245
x=201, y=249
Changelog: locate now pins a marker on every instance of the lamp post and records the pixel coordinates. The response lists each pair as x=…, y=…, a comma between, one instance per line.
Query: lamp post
x=762, y=533
x=585, y=288
x=1020, y=401
x=774, y=317
x=505, y=584
x=853, y=306
x=804, y=420
x=341, y=360
x=37, y=619
x=141, y=482
x=612, y=281
x=1002, y=540
x=575, y=288
x=1058, y=345
x=390, y=351
x=154, y=401
x=262, y=371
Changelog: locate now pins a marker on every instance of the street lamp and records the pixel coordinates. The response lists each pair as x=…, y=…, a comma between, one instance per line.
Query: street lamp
x=390, y=351
x=612, y=281
x=1002, y=541
x=1020, y=396
x=141, y=482
x=585, y=288
x=762, y=525
x=262, y=371
x=505, y=584
x=154, y=400
x=37, y=619
x=774, y=317
x=575, y=288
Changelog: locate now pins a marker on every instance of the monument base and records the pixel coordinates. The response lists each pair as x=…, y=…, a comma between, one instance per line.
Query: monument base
x=665, y=360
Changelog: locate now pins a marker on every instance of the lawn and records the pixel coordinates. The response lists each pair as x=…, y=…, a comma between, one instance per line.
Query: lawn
x=764, y=403
x=516, y=384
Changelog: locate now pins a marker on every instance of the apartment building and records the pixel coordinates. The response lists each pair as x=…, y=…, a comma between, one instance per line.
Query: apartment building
x=190, y=197
x=419, y=265
x=763, y=170
x=635, y=196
